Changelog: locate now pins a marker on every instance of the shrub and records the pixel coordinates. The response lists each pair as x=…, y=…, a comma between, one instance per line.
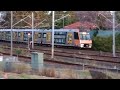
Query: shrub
x=102, y=43
x=20, y=68
x=1, y=66
x=50, y=72
x=18, y=51
x=105, y=43
x=1, y=49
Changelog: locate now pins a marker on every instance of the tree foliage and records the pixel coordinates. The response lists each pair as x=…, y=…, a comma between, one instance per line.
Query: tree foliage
x=102, y=43
x=100, y=18
x=105, y=43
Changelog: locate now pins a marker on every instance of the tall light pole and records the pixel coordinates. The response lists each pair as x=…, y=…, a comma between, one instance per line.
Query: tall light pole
x=11, y=34
x=113, y=12
x=63, y=22
x=32, y=30
x=53, y=20
x=113, y=22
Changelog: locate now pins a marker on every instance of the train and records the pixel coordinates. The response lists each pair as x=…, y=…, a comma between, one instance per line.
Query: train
x=62, y=37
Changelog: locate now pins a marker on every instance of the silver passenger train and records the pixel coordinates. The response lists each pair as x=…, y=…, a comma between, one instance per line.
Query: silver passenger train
x=62, y=37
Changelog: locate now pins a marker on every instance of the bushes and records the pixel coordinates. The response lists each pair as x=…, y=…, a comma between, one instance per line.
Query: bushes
x=105, y=43
x=1, y=66
x=48, y=72
x=15, y=67
x=102, y=43
x=20, y=68
x=117, y=42
x=18, y=51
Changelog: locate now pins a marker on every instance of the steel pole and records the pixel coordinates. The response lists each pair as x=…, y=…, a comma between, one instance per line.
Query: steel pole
x=63, y=22
x=32, y=30
x=11, y=34
x=28, y=44
x=114, y=34
x=53, y=20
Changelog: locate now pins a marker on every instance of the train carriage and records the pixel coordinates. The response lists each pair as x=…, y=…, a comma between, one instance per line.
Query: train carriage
x=38, y=37
x=3, y=36
x=62, y=37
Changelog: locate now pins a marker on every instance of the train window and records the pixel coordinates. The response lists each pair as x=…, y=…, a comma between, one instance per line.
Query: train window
x=44, y=35
x=63, y=40
x=39, y=35
x=76, y=35
x=81, y=36
x=64, y=33
x=60, y=32
x=59, y=40
x=85, y=37
x=18, y=34
x=54, y=33
x=56, y=40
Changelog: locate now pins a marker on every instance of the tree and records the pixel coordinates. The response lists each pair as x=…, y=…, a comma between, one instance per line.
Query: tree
x=67, y=20
x=96, y=17
x=100, y=18
x=18, y=51
x=18, y=15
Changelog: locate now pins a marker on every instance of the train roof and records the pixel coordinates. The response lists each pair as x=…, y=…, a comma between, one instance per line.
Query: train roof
x=23, y=30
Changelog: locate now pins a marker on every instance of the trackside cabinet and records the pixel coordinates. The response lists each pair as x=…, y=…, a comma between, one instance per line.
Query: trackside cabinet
x=36, y=60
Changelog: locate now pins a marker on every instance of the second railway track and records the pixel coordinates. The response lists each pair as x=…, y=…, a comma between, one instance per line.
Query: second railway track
x=75, y=57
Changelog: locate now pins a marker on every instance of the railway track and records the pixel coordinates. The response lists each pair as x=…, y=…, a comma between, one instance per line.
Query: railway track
x=78, y=55
x=68, y=51
x=75, y=56
x=63, y=64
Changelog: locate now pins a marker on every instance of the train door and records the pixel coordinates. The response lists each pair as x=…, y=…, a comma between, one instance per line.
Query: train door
x=44, y=38
x=76, y=39
x=69, y=38
x=25, y=36
x=3, y=35
x=48, y=37
x=39, y=40
x=35, y=37
x=8, y=36
x=20, y=36
x=15, y=36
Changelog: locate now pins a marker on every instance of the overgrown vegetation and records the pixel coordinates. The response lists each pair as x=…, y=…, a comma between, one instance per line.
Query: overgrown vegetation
x=20, y=68
x=19, y=71
x=18, y=51
x=105, y=43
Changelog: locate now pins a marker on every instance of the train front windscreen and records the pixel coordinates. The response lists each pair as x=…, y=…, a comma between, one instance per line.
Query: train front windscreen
x=85, y=37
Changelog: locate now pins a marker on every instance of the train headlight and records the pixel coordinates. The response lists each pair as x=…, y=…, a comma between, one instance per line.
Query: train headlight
x=81, y=45
x=90, y=45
